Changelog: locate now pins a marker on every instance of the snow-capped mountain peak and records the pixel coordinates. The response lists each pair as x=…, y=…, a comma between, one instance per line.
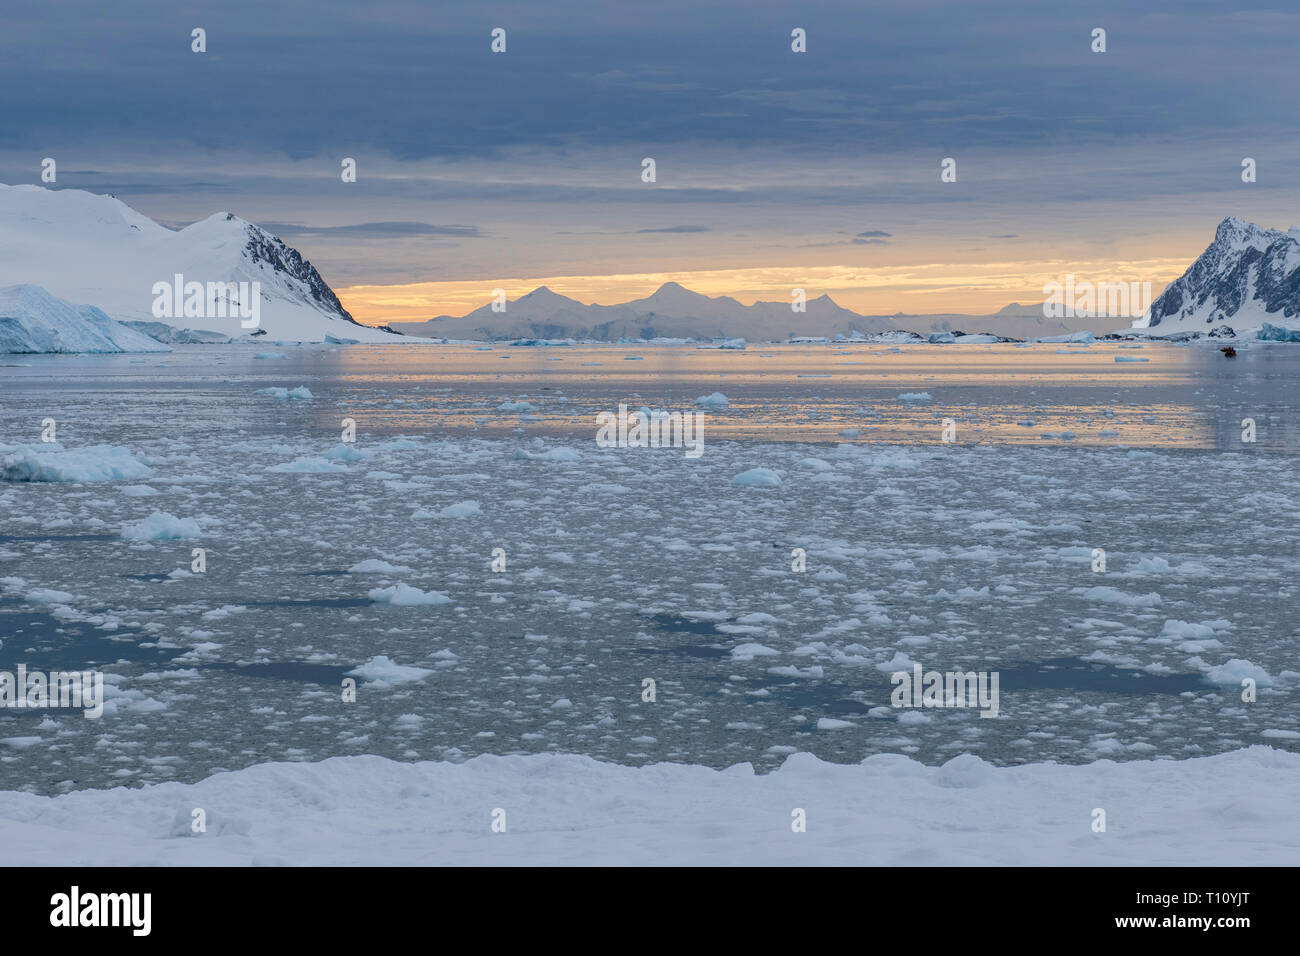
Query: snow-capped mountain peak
x=94, y=249
x=1248, y=275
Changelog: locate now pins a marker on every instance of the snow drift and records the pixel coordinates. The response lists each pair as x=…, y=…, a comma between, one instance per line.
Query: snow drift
x=567, y=809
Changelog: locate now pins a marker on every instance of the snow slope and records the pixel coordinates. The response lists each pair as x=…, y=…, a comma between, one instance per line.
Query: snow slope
x=96, y=249
x=1249, y=275
x=33, y=320
x=1232, y=809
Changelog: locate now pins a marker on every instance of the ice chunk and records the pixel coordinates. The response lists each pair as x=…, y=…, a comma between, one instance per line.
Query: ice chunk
x=302, y=392
x=161, y=526
x=403, y=595
x=758, y=478
x=53, y=463
x=384, y=671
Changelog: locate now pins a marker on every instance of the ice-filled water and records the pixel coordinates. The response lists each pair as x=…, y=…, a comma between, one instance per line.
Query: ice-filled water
x=328, y=559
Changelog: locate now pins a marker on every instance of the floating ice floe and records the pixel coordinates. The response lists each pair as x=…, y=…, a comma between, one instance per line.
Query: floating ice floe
x=403, y=595
x=346, y=451
x=301, y=393
x=52, y=462
x=377, y=566
x=384, y=671
x=553, y=454
x=814, y=464
x=1108, y=595
x=915, y=397
x=47, y=596
x=1233, y=672
x=716, y=400
x=161, y=526
x=758, y=478
x=831, y=723
x=308, y=466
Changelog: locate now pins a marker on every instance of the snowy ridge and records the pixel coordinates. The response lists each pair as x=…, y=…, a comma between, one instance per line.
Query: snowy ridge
x=32, y=320
x=569, y=809
x=96, y=249
x=1247, y=276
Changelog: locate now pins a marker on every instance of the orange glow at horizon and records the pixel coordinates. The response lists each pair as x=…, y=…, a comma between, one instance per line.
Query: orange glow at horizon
x=926, y=288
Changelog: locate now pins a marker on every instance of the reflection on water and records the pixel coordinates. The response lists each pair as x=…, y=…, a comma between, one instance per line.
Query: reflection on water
x=1187, y=397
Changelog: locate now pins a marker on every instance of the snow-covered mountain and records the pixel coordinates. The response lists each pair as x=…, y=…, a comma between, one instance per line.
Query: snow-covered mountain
x=1248, y=276
x=674, y=311
x=33, y=320
x=97, y=250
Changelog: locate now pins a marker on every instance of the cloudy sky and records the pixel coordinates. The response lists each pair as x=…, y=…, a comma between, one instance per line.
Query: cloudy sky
x=774, y=169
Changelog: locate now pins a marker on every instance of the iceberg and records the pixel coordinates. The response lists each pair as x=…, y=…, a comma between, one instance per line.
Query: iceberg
x=34, y=321
x=51, y=462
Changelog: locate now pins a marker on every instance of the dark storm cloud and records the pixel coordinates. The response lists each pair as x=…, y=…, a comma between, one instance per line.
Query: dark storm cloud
x=416, y=80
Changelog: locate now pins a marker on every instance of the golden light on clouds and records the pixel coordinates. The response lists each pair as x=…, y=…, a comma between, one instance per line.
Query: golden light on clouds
x=927, y=288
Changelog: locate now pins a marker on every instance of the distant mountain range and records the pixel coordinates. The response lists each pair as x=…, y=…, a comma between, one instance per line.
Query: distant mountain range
x=97, y=251
x=676, y=312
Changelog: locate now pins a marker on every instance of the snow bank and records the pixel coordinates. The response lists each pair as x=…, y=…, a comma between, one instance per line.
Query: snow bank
x=52, y=462
x=567, y=809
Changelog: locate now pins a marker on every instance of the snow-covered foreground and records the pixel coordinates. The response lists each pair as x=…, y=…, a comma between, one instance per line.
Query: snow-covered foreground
x=1232, y=809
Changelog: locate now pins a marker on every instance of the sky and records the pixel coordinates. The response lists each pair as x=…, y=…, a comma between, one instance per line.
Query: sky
x=774, y=169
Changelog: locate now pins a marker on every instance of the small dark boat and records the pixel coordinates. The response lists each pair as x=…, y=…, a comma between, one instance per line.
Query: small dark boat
x=1228, y=351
